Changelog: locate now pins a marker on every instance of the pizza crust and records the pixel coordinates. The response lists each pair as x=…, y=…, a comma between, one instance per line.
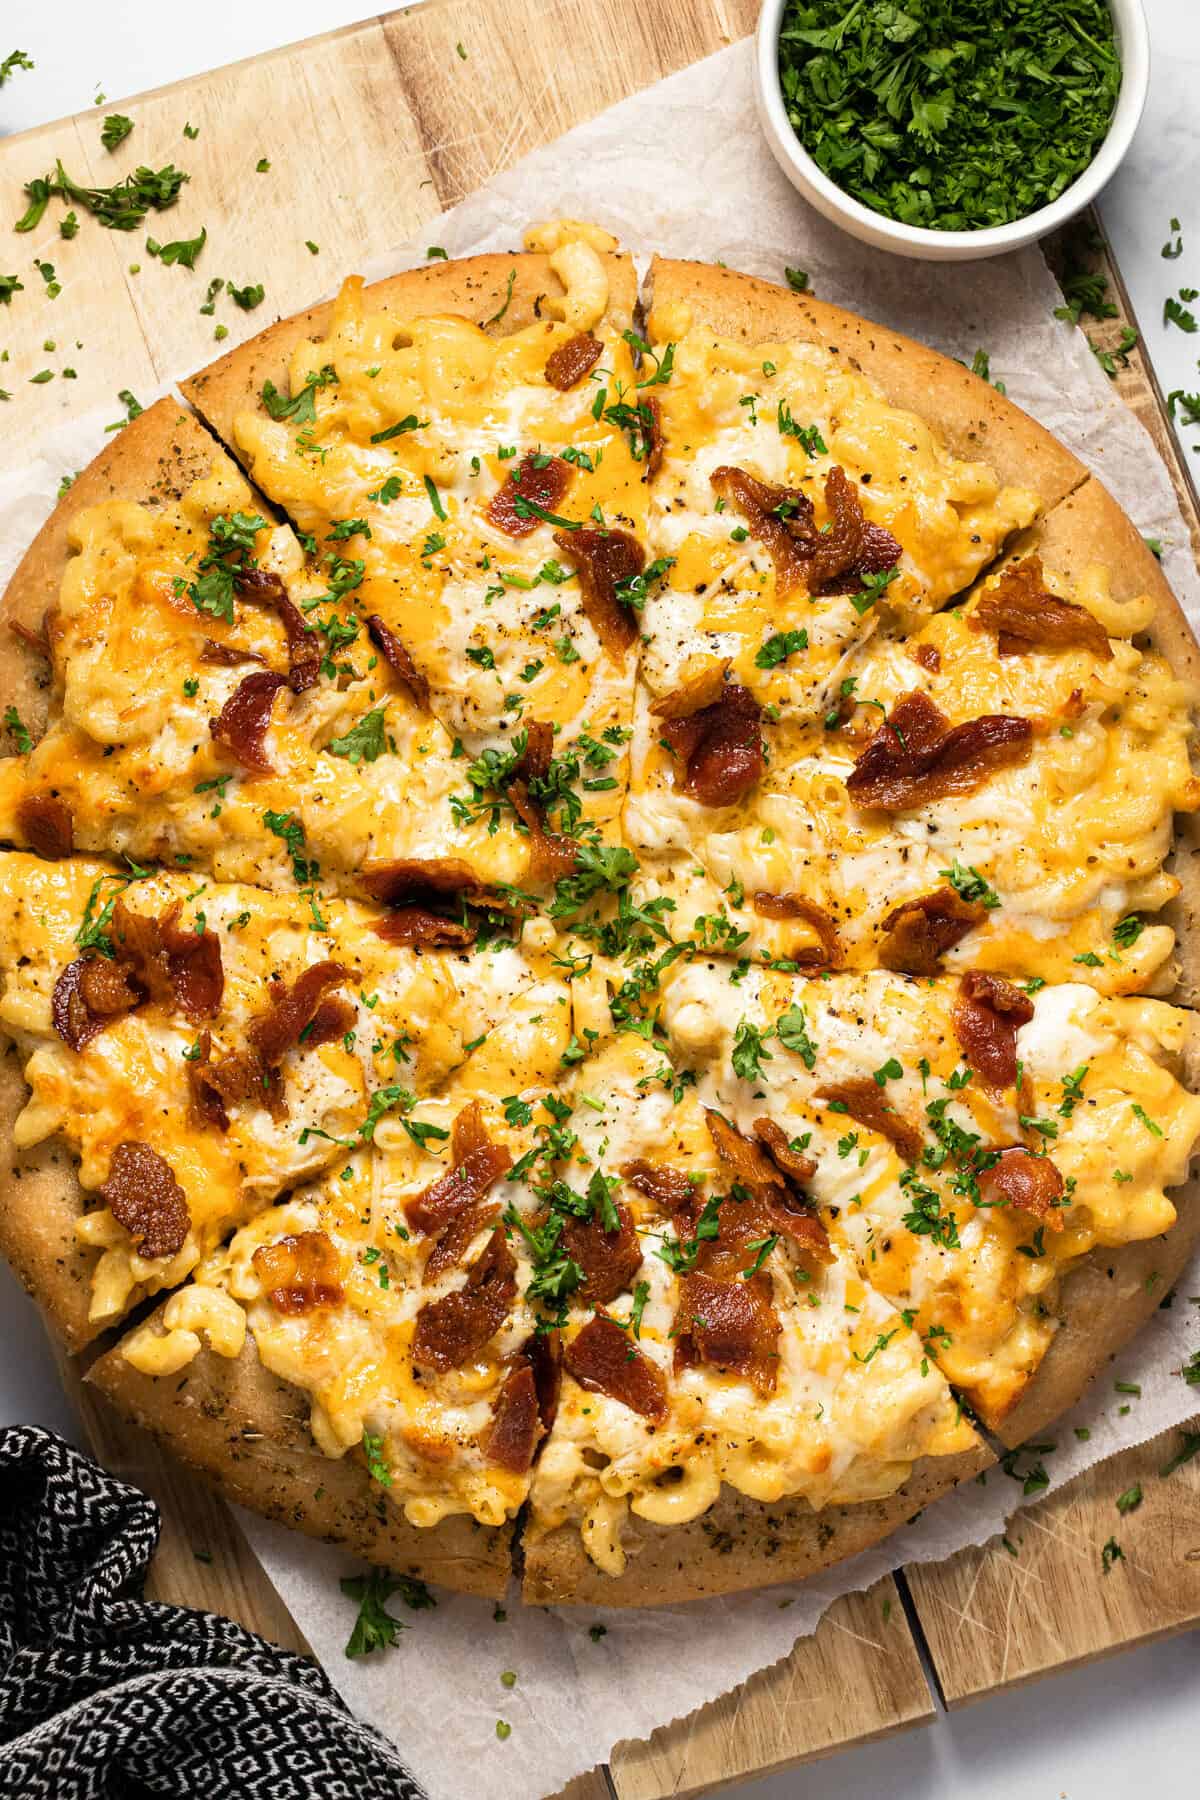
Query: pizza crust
x=976, y=422
x=40, y=1202
x=247, y=1431
x=737, y=1544
x=474, y=288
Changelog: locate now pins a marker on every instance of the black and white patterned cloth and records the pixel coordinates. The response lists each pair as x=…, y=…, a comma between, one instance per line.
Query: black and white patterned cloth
x=106, y=1696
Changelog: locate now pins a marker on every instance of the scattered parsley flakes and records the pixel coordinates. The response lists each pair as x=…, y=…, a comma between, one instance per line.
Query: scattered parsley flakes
x=115, y=130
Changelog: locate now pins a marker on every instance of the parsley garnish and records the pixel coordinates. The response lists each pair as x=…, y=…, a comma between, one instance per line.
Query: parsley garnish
x=115, y=130
x=300, y=407
x=364, y=742
x=778, y=647
x=970, y=884
x=945, y=117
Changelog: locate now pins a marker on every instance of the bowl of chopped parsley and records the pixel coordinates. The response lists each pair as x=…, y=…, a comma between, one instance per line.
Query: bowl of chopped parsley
x=949, y=129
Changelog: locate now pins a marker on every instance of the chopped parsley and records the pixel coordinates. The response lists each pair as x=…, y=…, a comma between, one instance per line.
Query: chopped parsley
x=115, y=130
x=364, y=742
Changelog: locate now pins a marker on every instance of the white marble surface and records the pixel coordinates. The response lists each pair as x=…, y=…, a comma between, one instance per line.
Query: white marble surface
x=1089, y=1735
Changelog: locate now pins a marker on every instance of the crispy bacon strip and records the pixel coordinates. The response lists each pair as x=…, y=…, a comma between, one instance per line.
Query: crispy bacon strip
x=303, y=646
x=300, y=1273
x=457, y=1238
x=928, y=656
x=458, y=1325
x=828, y=953
x=253, y=1074
x=917, y=934
x=573, y=360
x=227, y=656
x=206, y=1105
x=143, y=1195
x=241, y=725
x=603, y=559
x=536, y=481
x=606, y=1360
x=46, y=825
x=1030, y=1183
x=669, y=1188
x=395, y=654
x=408, y=878
x=1026, y=616
x=720, y=747
x=609, y=1259
x=476, y=1164
x=730, y=1324
x=987, y=1014
x=512, y=1435
x=862, y=1098
x=783, y=520
x=426, y=930
x=86, y=995
x=916, y=757
x=777, y=1205
x=176, y=965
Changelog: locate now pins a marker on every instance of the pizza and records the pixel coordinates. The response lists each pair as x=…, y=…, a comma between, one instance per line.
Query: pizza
x=597, y=931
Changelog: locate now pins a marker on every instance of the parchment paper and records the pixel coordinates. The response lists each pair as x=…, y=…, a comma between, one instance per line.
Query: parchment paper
x=681, y=168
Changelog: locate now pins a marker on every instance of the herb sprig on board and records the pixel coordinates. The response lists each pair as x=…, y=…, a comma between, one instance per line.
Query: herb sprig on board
x=945, y=114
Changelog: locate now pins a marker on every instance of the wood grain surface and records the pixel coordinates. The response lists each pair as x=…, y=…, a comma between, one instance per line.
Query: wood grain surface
x=369, y=132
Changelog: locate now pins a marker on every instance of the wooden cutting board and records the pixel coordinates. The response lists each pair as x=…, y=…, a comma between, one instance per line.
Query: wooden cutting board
x=368, y=133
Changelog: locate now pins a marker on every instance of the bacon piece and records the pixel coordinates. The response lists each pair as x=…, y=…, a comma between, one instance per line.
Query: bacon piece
x=700, y=690
x=241, y=725
x=917, y=934
x=542, y=481
x=74, y=1019
x=395, y=654
x=669, y=1188
x=606, y=1360
x=986, y=1017
x=720, y=747
x=1030, y=1183
x=572, y=360
x=512, y=1436
x=609, y=1259
x=774, y=1208
x=45, y=823
x=792, y=1163
x=916, y=757
x=828, y=954
x=407, y=878
x=227, y=656
x=554, y=854
x=303, y=645
x=850, y=547
x=206, y=1105
x=457, y=1238
x=332, y=1020
x=457, y=1326
x=254, y=1073
x=176, y=966
x=602, y=559
x=476, y=1164
x=427, y=930
x=784, y=522
x=730, y=1324
x=929, y=657
x=538, y=754
x=1026, y=616
x=862, y=1098
x=300, y=1273
x=142, y=1194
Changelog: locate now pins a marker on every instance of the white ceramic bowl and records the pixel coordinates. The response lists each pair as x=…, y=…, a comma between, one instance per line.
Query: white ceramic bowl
x=874, y=228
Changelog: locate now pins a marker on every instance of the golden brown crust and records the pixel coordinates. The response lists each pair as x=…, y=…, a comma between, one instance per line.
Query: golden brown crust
x=976, y=422
x=737, y=1544
x=247, y=1432
x=154, y=459
x=475, y=288
x=40, y=1201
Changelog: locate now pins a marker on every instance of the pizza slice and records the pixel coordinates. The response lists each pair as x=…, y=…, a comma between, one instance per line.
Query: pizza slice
x=221, y=701
x=811, y=491
x=977, y=794
x=386, y=1305
x=479, y=464
x=967, y=1142
x=198, y=1048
